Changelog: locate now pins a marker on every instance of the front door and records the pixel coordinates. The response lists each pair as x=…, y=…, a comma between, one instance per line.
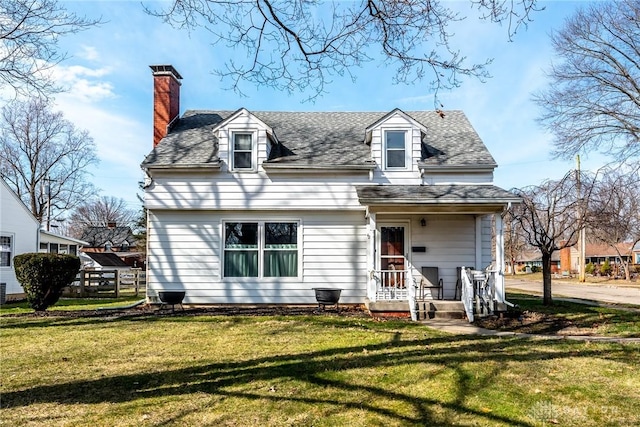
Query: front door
x=392, y=262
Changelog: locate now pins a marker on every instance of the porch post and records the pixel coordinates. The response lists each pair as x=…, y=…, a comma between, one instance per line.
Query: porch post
x=499, y=277
x=371, y=255
x=478, y=260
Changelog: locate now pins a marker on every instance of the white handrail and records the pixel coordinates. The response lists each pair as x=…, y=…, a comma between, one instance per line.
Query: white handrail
x=412, y=285
x=467, y=293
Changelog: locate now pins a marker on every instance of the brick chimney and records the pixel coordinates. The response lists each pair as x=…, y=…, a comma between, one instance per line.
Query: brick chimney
x=166, y=99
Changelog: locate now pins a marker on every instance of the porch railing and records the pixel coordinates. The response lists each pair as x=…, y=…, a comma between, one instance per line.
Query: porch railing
x=392, y=284
x=478, y=292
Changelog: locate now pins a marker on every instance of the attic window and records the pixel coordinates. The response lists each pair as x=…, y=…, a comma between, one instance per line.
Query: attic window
x=395, y=149
x=242, y=151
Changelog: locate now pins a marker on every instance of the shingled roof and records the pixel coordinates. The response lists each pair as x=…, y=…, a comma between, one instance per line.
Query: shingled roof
x=434, y=194
x=98, y=236
x=321, y=139
x=106, y=259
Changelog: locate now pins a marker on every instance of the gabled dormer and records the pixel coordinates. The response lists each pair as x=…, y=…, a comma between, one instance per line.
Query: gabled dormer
x=244, y=141
x=396, y=142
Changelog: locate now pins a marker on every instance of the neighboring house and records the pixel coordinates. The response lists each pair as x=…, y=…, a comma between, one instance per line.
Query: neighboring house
x=112, y=238
x=598, y=254
x=117, y=239
x=54, y=243
x=20, y=233
x=102, y=261
x=256, y=207
x=636, y=253
x=533, y=258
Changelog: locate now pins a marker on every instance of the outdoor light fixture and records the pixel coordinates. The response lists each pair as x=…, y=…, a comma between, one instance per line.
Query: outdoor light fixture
x=423, y=222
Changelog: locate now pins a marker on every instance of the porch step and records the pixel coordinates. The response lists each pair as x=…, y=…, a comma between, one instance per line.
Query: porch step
x=435, y=309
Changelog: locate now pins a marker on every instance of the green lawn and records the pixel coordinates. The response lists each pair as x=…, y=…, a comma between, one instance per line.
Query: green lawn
x=321, y=370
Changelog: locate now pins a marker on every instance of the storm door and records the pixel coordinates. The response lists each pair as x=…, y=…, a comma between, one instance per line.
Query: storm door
x=392, y=261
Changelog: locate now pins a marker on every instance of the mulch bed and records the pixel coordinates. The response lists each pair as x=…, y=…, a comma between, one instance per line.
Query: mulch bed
x=532, y=322
x=150, y=310
x=525, y=322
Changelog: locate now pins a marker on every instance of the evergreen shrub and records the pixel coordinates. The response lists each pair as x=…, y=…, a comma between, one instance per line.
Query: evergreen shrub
x=43, y=276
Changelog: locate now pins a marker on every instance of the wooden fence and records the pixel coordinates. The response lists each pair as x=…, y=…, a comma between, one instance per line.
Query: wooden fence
x=107, y=284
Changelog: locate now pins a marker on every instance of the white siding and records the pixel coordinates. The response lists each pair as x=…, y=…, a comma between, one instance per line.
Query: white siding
x=488, y=243
x=228, y=191
x=185, y=253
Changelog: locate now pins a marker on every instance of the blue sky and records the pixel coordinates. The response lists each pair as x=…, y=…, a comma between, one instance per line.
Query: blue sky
x=110, y=89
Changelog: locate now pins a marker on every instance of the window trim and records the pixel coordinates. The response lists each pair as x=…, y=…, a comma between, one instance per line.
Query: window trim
x=261, y=249
x=254, y=149
x=407, y=148
x=12, y=248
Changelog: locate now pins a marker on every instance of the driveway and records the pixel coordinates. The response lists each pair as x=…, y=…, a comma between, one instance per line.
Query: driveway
x=608, y=293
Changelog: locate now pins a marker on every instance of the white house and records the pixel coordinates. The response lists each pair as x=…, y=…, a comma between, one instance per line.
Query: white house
x=20, y=232
x=260, y=207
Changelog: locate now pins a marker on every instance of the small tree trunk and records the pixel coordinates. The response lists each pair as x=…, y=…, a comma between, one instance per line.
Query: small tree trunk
x=546, y=279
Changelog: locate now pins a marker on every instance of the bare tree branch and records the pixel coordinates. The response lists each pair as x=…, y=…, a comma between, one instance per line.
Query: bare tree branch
x=100, y=213
x=44, y=158
x=614, y=211
x=550, y=218
x=29, y=33
x=302, y=44
x=593, y=98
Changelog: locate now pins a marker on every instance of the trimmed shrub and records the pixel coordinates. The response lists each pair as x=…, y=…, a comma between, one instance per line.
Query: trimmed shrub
x=605, y=269
x=536, y=269
x=44, y=275
x=589, y=268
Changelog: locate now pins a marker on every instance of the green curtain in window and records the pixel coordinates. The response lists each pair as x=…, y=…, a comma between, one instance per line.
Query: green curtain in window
x=281, y=263
x=241, y=264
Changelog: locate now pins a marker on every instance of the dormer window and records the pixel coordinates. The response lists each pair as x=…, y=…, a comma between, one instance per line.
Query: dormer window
x=242, y=151
x=395, y=149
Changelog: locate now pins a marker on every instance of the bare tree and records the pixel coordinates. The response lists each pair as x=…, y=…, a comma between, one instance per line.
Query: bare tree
x=593, y=98
x=100, y=213
x=44, y=158
x=549, y=219
x=29, y=33
x=614, y=212
x=302, y=44
x=514, y=242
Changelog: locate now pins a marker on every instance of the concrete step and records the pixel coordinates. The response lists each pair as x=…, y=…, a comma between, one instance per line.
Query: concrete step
x=436, y=309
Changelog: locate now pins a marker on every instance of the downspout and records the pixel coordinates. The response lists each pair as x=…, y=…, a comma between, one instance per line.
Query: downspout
x=371, y=234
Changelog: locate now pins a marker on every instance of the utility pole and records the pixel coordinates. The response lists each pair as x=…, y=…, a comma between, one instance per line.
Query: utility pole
x=582, y=235
x=47, y=189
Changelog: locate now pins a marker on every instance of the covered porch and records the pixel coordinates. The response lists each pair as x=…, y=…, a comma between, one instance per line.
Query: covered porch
x=434, y=249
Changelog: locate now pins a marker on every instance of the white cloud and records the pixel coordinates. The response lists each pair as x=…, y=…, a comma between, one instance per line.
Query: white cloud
x=83, y=83
x=89, y=53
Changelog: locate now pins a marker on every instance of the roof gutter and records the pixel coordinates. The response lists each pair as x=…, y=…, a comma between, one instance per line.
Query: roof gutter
x=315, y=168
x=455, y=168
x=396, y=201
x=178, y=168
